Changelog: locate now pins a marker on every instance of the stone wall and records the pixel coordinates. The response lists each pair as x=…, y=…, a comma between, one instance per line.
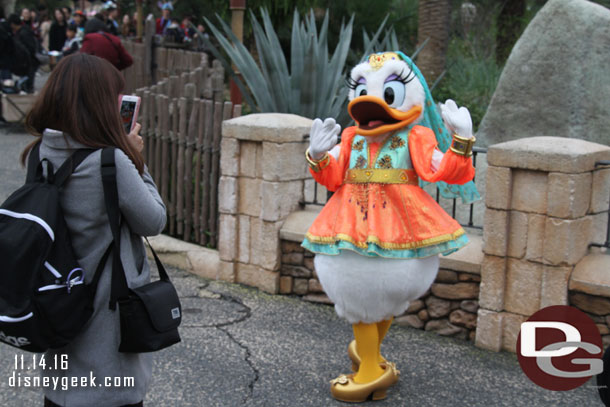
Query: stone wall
x=262, y=168
x=449, y=308
x=546, y=202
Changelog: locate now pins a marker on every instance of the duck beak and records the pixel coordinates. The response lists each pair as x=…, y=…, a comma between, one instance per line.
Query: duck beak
x=373, y=115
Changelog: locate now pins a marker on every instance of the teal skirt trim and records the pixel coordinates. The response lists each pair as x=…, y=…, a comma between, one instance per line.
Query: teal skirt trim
x=374, y=250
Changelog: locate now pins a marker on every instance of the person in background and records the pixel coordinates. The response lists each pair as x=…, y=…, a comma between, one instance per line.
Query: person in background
x=189, y=30
x=173, y=32
x=25, y=36
x=79, y=20
x=44, y=28
x=26, y=18
x=111, y=13
x=105, y=45
x=67, y=11
x=163, y=22
x=57, y=33
x=128, y=28
x=72, y=44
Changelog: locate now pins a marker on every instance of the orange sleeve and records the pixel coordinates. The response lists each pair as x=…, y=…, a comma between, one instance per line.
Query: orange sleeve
x=332, y=175
x=454, y=168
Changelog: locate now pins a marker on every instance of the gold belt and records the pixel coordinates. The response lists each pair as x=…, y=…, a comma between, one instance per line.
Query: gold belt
x=381, y=176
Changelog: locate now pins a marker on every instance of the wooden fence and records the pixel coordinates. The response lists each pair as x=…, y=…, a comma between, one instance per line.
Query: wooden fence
x=181, y=120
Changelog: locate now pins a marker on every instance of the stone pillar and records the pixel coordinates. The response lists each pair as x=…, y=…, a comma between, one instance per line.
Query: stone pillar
x=544, y=205
x=263, y=168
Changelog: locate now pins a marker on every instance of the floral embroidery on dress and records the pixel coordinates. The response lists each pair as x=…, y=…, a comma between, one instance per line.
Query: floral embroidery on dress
x=385, y=162
x=360, y=162
x=359, y=145
x=397, y=142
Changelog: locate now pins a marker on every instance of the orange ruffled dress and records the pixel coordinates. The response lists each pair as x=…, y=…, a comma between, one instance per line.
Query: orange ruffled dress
x=394, y=218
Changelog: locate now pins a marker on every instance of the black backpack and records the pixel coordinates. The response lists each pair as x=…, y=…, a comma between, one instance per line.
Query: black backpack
x=44, y=301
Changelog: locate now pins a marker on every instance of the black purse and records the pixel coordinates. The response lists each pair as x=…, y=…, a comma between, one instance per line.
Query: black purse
x=149, y=314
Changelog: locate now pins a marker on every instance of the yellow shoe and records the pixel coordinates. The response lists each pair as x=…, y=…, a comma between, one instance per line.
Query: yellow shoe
x=344, y=388
x=355, y=358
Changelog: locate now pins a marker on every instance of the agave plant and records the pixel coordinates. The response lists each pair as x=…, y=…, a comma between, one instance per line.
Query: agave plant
x=313, y=87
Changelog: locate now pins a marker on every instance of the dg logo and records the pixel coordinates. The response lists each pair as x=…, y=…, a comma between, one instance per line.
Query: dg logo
x=560, y=348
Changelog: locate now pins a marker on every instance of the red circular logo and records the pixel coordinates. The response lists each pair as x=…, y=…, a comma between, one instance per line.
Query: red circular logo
x=560, y=348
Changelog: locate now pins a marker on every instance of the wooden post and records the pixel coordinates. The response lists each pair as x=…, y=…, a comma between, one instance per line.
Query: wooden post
x=149, y=60
x=182, y=103
x=198, y=155
x=238, y=7
x=207, y=167
x=174, y=164
x=159, y=136
x=164, y=149
x=192, y=110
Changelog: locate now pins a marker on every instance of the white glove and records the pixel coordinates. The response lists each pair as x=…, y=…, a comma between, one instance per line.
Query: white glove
x=457, y=120
x=322, y=137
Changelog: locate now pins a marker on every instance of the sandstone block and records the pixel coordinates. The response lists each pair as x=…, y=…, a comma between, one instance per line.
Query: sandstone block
x=280, y=199
x=459, y=291
x=591, y=275
x=493, y=283
x=489, y=330
x=254, y=276
x=265, y=246
x=297, y=223
x=468, y=259
x=554, y=289
x=443, y=327
x=226, y=271
x=318, y=298
x=603, y=329
x=495, y=232
x=227, y=238
x=511, y=328
x=227, y=195
x=308, y=263
x=462, y=318
x=599, y=227
x=523, y=285
x=295, y=259
x=529, y=193
x=285, y=285
x=517, y=234
x=309, y=187
x=204, y=262
x=437, y=308
x=301, y=286
x=535, y=237
x=446, y=276
x=291, y=247
x=285, y=161
x=590, y=303
x=569, y=195
x=415, y=307
x=600, y=191
x=470, y=306
x=243, y=254
x=423, y=315
x=249, y=159
x=411, y=321
x=274, y=127
x=315, y=286
x=229, y=157
x=296, y=271
x=498, y=187
x=468, y=277
x=566, y=241
x=249, y=196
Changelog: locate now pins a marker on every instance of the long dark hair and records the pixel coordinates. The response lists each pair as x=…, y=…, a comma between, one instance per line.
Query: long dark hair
x=81, y=99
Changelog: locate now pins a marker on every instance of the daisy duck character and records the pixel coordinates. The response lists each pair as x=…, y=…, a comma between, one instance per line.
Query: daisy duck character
x=378, y=239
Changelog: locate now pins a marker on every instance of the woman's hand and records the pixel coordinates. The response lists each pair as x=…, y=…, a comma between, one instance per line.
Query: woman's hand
x=135, y=139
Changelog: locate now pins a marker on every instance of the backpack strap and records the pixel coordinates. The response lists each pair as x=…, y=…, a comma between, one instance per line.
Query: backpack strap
x=119, y=288
x=63, y=173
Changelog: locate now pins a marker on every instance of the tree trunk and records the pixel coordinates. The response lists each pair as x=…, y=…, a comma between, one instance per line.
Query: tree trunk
x=509, y=24
x=433, y=16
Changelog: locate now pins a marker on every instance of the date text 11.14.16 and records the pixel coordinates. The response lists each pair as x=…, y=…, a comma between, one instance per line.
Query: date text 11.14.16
x=35, y=361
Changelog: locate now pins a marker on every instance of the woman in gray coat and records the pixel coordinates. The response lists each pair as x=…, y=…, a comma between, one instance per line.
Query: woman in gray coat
x=78, y=108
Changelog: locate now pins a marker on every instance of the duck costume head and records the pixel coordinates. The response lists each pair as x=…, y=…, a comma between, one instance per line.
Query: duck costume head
x=378, y=239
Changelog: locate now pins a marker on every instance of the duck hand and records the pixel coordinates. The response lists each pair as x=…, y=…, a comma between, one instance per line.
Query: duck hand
x=457, y=120
x=322, y=137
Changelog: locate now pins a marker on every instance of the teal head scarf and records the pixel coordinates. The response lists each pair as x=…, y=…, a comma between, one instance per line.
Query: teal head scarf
x=433, y=120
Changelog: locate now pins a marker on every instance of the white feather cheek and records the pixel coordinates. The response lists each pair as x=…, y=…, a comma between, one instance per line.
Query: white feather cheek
x=414, y=96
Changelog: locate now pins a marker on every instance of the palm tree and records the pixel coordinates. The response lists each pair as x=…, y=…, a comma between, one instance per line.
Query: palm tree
x=433, y=17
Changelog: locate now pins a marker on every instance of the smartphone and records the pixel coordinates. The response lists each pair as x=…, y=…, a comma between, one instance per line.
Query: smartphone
x=129, y=108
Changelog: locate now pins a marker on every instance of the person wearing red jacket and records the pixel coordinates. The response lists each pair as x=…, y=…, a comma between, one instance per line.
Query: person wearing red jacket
x=104, y=45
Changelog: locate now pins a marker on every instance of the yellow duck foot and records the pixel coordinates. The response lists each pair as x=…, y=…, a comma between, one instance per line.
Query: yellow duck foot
x=355, y=358
x=344, y=388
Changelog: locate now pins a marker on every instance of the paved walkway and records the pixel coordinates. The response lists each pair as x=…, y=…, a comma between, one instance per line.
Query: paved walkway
x=241, y=347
